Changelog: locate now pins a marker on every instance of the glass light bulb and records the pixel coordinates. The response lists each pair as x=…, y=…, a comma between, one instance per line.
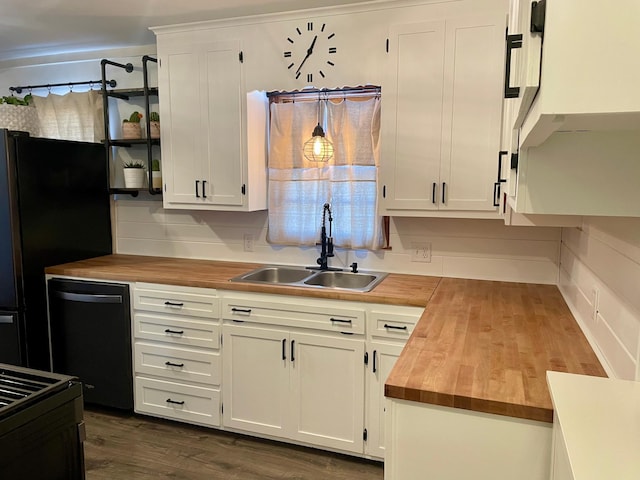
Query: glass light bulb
x=317, y=146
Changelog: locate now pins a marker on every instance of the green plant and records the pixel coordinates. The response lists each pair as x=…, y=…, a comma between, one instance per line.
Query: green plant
x=155, y=165
x=17, y=101
x=132, y=164
x=134, y=118
x=154, y=117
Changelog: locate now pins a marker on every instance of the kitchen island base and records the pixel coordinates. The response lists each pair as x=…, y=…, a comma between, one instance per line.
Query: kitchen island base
x=432, y=441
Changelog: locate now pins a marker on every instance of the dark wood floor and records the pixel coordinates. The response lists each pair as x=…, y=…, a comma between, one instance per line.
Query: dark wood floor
x=127, y=446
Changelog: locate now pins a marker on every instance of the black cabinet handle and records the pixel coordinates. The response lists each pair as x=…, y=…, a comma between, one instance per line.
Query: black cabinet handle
x=241, y=310
x=513, y=42
x=175, y=402
x=444, y=185
x=177, y=332
x=197, y=186
x=174, y=304
x=496, y=194
x=293, y=358
x=340, y=320
x=433, y=192
x=204, y=193
x=395, y=327
x=284, y=348
x=170, y=364
x=87, y=297
x=375, y=355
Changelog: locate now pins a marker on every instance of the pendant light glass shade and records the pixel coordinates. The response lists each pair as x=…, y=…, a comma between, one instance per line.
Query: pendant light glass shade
x=318, y=148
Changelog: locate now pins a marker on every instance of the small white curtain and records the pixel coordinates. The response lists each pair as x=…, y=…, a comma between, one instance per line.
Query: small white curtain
x=73, y=116
x=299, y=188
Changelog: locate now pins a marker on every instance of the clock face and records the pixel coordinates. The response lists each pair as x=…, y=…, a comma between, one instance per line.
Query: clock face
x=310, y=51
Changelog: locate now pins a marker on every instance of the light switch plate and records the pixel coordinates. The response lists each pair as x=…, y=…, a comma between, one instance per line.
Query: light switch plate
x=421, y=252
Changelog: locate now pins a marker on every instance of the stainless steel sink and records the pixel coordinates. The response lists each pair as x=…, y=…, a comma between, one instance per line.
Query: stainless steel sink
x=352, y=281
x=304, y=277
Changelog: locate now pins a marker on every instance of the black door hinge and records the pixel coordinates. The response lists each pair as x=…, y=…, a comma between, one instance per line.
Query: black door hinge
x=365, y=434
x=514, y=161
x=387, y=47
x=366, y=358
x=538, y=11
x=222, y=408
x=241, y=57
x=244, y=189
x=384, y=191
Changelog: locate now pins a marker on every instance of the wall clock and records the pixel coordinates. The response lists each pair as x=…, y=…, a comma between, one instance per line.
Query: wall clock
x=310, y=51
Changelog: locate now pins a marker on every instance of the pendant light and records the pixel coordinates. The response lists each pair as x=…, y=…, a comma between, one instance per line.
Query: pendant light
x=318, y=148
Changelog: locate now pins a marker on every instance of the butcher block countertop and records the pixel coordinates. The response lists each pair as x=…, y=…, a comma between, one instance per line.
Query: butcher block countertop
x=396, y=289
x=480, y=345
x=486, y=346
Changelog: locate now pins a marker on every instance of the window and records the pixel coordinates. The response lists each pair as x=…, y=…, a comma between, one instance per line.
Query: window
x=299, y=188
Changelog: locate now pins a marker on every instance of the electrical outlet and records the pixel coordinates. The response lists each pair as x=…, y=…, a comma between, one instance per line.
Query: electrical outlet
x=421, y=252
x=248, y=242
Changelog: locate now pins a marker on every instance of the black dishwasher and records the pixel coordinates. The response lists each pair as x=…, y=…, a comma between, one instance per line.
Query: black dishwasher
x=90, y=325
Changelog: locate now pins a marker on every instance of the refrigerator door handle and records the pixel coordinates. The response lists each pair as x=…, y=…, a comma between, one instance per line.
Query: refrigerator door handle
x=6, y=319
x=88, y=298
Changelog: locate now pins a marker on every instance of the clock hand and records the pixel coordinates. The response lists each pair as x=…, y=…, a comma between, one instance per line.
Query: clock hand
x=309, y=52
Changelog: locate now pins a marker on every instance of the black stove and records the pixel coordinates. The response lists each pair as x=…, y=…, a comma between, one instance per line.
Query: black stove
x=41, y=425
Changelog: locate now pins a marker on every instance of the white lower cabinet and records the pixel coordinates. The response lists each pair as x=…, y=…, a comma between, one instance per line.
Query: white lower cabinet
x=177, y=361
x=303, y=385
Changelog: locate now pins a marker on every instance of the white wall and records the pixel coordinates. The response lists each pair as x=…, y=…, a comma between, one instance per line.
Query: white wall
x=602, y=259
x=483, y=249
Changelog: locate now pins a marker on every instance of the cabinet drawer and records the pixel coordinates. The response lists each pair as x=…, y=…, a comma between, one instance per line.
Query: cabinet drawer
x=177, y=363
x=393, y=325
x=177, y=330
x=177, y=401
x=297, y=313
x=195, y=302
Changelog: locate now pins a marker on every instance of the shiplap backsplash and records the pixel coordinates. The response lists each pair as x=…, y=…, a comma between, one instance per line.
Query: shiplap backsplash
x=604, y=256
x=480, y=249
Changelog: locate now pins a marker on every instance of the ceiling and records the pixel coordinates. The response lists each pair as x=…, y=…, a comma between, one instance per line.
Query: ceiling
x=31, y=28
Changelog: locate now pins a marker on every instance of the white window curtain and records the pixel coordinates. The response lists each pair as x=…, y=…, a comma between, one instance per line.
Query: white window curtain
x=73, y=116
x=299, y=188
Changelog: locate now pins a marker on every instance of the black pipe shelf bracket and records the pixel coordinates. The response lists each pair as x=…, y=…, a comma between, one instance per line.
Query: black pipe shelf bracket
x=19, y=89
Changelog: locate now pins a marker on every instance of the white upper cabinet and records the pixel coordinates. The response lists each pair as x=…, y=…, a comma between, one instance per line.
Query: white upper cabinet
x=580, y=67
x=214, y=132
x=442, y=117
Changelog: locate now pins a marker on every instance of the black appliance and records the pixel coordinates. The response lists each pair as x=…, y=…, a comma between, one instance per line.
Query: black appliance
x=91, y=338
x=54, y=209
x=41, y=425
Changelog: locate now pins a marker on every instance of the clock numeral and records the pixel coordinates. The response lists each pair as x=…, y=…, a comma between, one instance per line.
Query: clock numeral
x=323, y=25
x=309, y=77
x=289, y=40
x=330, y=63
x=331, y=36
x=321, y=74
x=298, y=30
x=290, y=66
x=310, y=26
x=297, y=75
x=333, y=49
x=287, y=54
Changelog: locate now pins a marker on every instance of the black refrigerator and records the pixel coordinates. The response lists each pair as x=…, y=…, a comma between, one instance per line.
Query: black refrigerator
x=54, y=208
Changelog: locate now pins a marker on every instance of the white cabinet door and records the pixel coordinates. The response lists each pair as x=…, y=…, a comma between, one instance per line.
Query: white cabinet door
x=327, y=388
x=412, y=120
x=472, y=113
x=256, y=379
x=442, y=122
x=382, y=357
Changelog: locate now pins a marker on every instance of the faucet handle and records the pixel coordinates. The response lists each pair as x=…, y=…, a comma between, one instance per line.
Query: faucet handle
x=354, y=267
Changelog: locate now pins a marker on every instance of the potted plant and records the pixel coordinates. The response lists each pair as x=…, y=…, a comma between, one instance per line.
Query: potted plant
x=133, y=174
x=154, y=125
x=156, y=174
x=131, y=126
x=19, y=114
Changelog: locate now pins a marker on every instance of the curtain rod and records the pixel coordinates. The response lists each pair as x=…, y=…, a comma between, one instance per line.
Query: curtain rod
x=111, y=83
x=327, y=91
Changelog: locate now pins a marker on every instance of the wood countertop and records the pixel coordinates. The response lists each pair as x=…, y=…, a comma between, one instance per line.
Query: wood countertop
x=395, y=289
x=480, y=345
x=486, y=346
